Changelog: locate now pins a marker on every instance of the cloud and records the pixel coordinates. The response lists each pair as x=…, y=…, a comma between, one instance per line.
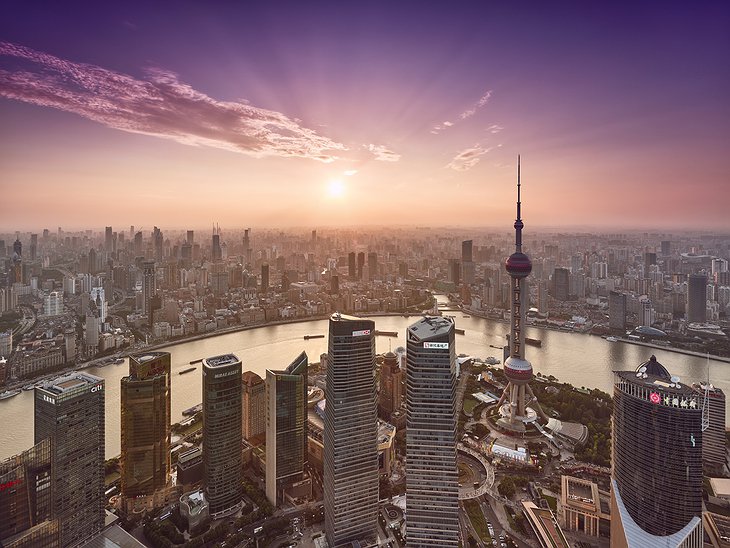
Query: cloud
x=467, y=159
x=382, y=153
x=484, y=99
x=159, y=105
x=494, y=128
x=439, y=127
x=350, y=172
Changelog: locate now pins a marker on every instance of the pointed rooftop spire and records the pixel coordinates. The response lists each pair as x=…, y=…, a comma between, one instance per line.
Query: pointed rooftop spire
x=518, y=222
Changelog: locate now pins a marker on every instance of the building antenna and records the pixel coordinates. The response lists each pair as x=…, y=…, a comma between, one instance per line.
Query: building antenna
x=519, y=225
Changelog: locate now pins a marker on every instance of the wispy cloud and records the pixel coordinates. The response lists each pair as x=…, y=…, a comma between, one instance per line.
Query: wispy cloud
x=159, y=105
x=483, y=100
x=350, y=172
x=494, y=128
x=467, y=159
x=437, y=128
x=382, y=153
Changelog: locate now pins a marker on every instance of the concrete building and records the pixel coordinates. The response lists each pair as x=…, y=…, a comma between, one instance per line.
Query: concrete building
x=286, y=432
x=69, y=410
x=656, y=486
x=714, y=451
x=149, y=287
x=432, y=483
x=617, y=311
x=194, y=509
x=222, y=432
x=583, y=507
x=53, y=303
x=254, y=405
x=350, y=432
x=145, y=431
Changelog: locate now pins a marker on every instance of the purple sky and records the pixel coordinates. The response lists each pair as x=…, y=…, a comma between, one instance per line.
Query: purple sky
x=334, y=114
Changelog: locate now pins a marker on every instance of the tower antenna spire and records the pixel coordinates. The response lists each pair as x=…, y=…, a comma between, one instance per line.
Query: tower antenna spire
x=519, y=225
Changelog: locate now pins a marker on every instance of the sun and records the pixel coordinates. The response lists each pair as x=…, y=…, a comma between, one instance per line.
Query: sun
x=336, y=189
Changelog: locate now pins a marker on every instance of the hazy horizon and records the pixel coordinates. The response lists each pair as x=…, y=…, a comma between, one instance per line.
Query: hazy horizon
x=308, y=116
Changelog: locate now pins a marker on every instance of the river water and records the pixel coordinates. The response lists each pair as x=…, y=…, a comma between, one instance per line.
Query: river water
x=581, y=360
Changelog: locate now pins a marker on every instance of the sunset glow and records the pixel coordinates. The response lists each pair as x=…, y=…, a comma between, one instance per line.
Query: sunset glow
x=205, y=109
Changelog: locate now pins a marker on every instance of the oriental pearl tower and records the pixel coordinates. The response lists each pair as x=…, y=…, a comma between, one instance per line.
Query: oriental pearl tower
x=513, y=405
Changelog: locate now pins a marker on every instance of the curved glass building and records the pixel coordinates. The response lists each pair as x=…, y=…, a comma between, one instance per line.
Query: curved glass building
x=656, y=495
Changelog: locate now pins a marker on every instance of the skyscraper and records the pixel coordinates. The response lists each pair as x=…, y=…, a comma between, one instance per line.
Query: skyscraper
x=515, y=413
x=656, y=486
x=351, y=265
x=145, y=430
x=26, y=517
x=350, y=432
x=222, y=457
x=69, y=410
x=561, y=284
x=372, y=266
x=286, y=427
x=617, y=310
x=108, y=239
x=432, y=483
x=360, y=264
x=696, y=298
x=149, y=286
x=264, y=278
x=254, y=405
x=390, y=397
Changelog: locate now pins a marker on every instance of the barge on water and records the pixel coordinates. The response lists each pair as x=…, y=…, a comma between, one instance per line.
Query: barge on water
x=194, y=409
x=188, y=370
x=386, y=333
x=307, y=337
x=196, y=361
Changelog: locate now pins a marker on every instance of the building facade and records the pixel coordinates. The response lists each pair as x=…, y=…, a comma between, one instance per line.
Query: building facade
x=254, y=405
x=350, y=432
x=145, y=430
x=26, y=513
x=656, y=486
x=286, y=427
x=390, y=397
x=432, y=483
x=69, y=410
x=222, y=456
x=696, y=298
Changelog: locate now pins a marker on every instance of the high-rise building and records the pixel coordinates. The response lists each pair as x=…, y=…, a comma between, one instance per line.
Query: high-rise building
x=26, y=516
x=53, y=304
x=372, y=266
x=617, y=310
x=350, y=432
x=69, y=410
x=432, y=483
x=696, y=298
x=108, y=239
x=254, y=405
x=713, y=438
x=649, y=261
x=286, y=428
x=33, y=247
x=390, y=397
x=222, y=455
x=264, y=278
x=466, y=251
x=149, y=286
x=190, y=237
x=646, y=313
x=454, y=273
x=217, y=252
x=360, y=264
x=145, y=430
x=656, y=486
x=666, y=248
x=514, y=400
x=561, y=284
x=351, y=265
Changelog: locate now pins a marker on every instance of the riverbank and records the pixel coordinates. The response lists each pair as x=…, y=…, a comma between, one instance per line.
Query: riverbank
x=623, y=340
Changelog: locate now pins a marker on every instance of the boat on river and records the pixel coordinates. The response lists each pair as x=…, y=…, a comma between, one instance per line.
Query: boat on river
x=196, y=361
x=188, y=370
x=307, y=337
x=8, y=394
x=611, y=339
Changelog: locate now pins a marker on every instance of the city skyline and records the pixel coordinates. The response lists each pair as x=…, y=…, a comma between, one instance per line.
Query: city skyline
x=320, y=117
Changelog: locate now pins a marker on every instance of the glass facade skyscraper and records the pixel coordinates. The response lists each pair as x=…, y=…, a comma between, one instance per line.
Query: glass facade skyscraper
x=222, y=434
x=145, y=427
x=432, y=483
x=350, y=432
x=656, y=495
x=286, y=427
x=69, y=410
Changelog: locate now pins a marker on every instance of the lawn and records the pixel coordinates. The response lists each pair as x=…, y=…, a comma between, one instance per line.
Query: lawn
x=476, y=516
x=469, y=405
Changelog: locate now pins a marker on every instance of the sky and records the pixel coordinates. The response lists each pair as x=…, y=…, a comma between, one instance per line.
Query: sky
x=274, y=114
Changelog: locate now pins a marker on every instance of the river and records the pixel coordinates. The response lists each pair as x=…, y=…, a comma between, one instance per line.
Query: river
x=582, y=360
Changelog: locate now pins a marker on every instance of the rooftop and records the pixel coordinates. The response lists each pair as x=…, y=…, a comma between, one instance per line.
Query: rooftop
x=71, y=381
x=222, y=361
x=429, y=327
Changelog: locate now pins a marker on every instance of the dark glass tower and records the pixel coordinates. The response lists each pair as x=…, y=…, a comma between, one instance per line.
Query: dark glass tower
x=656, y=494
x=286, y=427
x=350, y=432
x=69, y=410
x=145, y=427
x=432, y=483
x=222, y=456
